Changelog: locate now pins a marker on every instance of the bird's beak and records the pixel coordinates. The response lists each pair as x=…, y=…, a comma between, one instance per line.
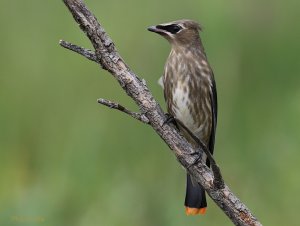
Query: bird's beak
x=154, y=29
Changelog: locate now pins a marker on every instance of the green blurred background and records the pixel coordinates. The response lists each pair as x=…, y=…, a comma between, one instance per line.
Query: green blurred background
x=65, y=160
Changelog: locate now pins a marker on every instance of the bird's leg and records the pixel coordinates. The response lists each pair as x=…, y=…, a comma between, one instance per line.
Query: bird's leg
x=170, y=119
x=218, y=180
x=198, y=158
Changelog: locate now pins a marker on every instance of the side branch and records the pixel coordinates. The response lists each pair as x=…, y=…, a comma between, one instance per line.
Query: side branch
x=108, y=58
x=119, y=107
x=89, y=54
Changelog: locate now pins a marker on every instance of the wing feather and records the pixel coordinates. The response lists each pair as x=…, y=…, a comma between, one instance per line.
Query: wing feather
x=214, y=106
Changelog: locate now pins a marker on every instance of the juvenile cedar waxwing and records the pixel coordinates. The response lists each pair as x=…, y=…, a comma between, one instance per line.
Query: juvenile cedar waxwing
x=190, y=95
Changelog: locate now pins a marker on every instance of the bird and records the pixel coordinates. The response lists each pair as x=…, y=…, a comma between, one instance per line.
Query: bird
x=190, y=94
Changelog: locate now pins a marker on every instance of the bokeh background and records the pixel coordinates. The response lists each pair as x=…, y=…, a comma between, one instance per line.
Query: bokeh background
x=65, y=160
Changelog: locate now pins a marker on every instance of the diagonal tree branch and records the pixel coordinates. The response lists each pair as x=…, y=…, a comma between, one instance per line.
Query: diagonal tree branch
x=109, y=59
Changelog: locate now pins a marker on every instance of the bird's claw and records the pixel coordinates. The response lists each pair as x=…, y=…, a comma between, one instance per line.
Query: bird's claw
x=170, y=119
x=197, y=160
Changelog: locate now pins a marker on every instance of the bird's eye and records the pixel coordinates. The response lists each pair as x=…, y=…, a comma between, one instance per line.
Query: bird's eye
x=173, y=28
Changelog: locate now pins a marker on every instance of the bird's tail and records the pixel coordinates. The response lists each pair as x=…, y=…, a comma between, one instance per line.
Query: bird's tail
x=195, y=200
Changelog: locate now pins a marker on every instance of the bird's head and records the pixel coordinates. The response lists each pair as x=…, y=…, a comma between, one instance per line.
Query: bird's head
x=180, y=32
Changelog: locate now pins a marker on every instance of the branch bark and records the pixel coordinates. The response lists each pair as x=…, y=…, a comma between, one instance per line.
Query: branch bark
x=109, y=59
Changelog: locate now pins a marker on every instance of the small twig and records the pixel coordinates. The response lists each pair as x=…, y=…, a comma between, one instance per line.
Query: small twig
x=89, y=54
x=119, y=107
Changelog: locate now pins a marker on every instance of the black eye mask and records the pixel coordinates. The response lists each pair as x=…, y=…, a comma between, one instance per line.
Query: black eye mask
x=173, y=28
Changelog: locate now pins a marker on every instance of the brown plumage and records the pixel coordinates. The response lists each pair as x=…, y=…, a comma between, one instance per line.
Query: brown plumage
x=190, y=93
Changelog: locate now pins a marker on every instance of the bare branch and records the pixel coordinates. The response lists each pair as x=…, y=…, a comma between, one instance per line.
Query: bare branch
x=119, y=107
x=89, y=54
x=108, y=57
